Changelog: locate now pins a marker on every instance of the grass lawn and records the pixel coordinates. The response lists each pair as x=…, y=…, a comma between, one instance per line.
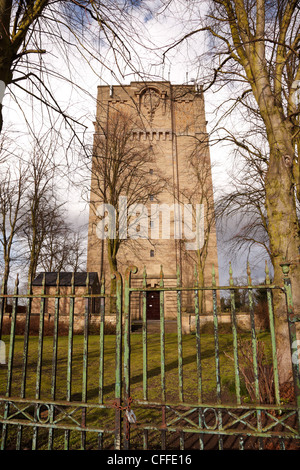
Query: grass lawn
x=106, y=415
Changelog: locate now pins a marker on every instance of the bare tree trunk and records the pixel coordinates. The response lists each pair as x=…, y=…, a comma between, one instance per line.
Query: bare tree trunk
x=283, y=223
x=5, y=55
x=283, y=229
x=34, y=252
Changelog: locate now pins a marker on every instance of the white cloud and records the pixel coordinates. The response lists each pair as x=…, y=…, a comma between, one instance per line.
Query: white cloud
x=87, y=73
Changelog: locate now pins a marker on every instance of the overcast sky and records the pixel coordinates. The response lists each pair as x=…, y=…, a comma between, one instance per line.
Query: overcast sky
x=80, y=100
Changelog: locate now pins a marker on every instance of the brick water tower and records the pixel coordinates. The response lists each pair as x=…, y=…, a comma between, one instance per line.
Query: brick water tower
x=167, y=162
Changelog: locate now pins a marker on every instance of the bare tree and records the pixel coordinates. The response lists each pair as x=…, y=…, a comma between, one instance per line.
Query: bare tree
x=12, y=201
x=63, y=248
x=77, y=251
x=121, y=168
x=27, y=29
x=254, y=50
x=34, y=227
x=43, y=208
x=199, y=193
x=242, y=211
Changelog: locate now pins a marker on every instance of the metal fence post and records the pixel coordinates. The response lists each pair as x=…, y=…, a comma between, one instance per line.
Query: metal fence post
x=118, y=386
x=127, y=327
x=10, y=361
x=292, y=319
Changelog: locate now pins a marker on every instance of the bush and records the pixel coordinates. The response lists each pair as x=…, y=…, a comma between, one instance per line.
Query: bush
x=265, y=371
x=223, y=328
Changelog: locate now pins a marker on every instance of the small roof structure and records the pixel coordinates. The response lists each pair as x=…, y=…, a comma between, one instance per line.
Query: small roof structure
x=65, y=279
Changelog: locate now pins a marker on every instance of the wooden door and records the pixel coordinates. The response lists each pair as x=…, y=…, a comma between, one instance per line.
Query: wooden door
x=153, y=305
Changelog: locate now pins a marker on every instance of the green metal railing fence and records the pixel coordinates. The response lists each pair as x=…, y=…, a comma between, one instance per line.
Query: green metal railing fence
x=62, y=389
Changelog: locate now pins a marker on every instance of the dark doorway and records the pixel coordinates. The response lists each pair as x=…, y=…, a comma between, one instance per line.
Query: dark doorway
x=153, y=305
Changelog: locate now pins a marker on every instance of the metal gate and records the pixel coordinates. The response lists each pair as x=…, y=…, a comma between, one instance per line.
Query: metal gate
x=98, y=389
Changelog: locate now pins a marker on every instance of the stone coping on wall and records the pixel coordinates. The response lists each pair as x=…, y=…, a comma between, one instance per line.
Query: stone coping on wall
x=188, y=319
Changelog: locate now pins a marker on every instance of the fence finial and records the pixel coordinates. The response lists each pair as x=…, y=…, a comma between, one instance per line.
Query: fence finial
x=17, y=285
x=285, y=266
x=267, y=273
x=213, y=275
x=29, y=288
x=161, y=275
x=102, y=286
x=73, y=283
x=57, y=283
x=87, y=282
x=196, y=275
x=178, y=275
x=44, y=283
x=249, y=274
x=230, y=274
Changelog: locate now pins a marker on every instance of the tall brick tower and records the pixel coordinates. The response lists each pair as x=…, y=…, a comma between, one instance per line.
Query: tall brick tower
x=172, y=123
